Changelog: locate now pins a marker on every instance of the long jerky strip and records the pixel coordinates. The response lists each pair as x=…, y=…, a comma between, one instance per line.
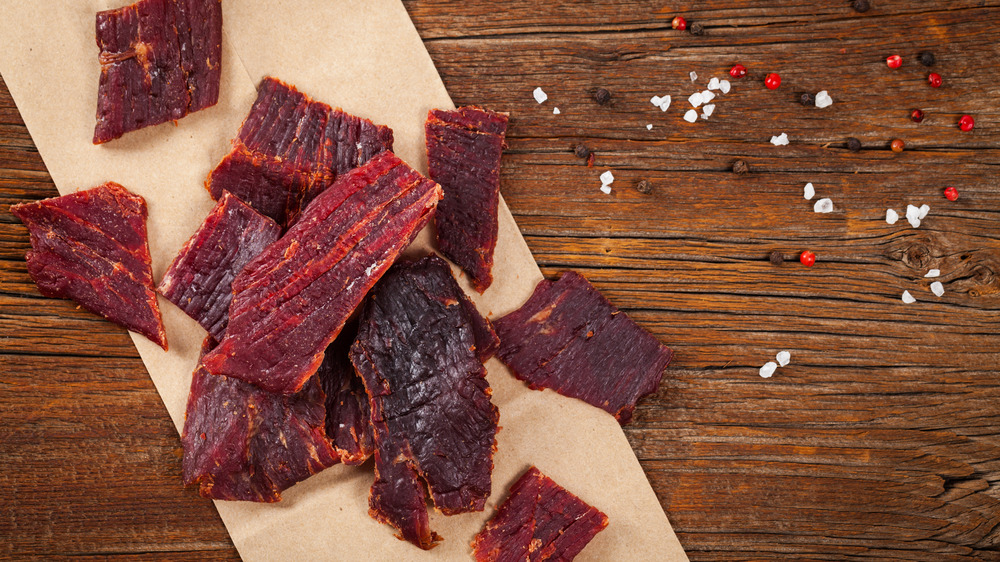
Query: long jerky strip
x=200, y=278
x=292, y=300
x=348, y=415
x=91, y=246
x=430, y=401
x=569, y=338
x=160, y=60
x=290, y=148
x=463, y=155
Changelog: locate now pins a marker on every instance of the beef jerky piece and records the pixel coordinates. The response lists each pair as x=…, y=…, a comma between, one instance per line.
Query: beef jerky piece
x=539, y=520
x=91, y=247
x=199, y=279
x=348, y=416
x=292, y=300
x=463, y=155
x=569, y=338
x=241, y=443
x=487, y=342
x=160, y=60
x=290, y=148
x=430, y=401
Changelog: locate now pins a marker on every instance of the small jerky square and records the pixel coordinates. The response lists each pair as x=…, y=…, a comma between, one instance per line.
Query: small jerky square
x=569, y=338
x=160, y=60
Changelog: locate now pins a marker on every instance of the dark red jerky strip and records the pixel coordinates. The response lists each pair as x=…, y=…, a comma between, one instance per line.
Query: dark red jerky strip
x=429, y=397
x=290, y=148
x=200, y=278
x=241, y=443
x=538, y=521
x=160, y=60
x=487, y=341
x=569, y=338
x=91, y=247
x=463, y=155
x=348, y=416
x=292, y=300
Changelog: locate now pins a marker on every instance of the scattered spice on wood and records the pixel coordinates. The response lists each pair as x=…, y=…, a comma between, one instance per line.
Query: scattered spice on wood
x=645, y=187
x=602, y=96
x=927, y=58
x=590, y=160
x=934, y=79
x=853, y=144
x=740, y=167
x=897, y=145
x=807, y=99
x=776, y=258
x=861, y=6
x=917, y=116
x=581, y=151
x=697, y=29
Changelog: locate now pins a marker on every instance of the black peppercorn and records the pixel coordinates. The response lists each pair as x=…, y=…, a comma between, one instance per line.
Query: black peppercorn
x=697, y=29
x=581, y=151
x=644, y=187
x=602, y=96
x=927, y=58
x=853, y=144
x=740, y=167
x=807, y=99
x=862, y=6
x=776, y=258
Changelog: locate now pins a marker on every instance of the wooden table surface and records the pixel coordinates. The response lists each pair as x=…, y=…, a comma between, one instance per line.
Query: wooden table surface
x=881, y=438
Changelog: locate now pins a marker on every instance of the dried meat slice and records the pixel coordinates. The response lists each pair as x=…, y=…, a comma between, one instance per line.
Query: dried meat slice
x=91, y=247
x=292, y=300
x=160, y=60
x=348, y=416
x=430, y=401
x=538, y=521
x=569, y=338
x=242, y=443
x=200, y=278
x=463, y=155
x=290, y=148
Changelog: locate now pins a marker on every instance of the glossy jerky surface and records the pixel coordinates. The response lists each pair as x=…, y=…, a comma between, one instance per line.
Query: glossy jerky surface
x=290, y=148
x=242, y=443
x=430, y=401
x=538, y=521
x=569, y=338
x=292, y=300
x=160, y=60
x=200, y=278
x=348, y=415
x=91, y=247
x=463, y=155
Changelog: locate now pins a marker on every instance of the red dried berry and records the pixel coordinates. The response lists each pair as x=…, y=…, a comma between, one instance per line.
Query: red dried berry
x=772, y=81
x=807, y=258
x=895, y=61
x=951, y=194
x=966, y=123
x=934, y=79
x=738, y=71
x=917, y=116
x=679, y=23
x=897, y=145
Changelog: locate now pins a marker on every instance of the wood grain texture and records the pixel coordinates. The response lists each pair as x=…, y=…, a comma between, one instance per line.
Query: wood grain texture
x=879, y=440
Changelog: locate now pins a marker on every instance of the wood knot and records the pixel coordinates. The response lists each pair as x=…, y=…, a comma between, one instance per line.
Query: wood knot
x=917, y=256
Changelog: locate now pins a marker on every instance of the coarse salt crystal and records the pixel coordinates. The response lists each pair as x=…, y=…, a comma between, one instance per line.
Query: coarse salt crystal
x=933, y=273
x=540, y=95
x=707, y=96
x=891, y=216
x=655, y=100
x=809, y=191
x=696, y=99
x=912, y=215
x=713, y=84
x=606, y=189
x=924, y=209
x=691, y=116
x=724, y=86
x=693, y=75
x=783, y=358
x=555, y=111
x=937, y=288
x=823, y=99
x=908, y=298
x=664, y=103
x=649, y=126
x=607, y=177
x=824, y=205
x=707, y=111
x=768, y=369
x=780, y=140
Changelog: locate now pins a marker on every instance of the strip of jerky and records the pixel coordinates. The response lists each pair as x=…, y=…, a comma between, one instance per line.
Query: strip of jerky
x=290, y=148
x=200, y=278
x=160, y=60
x=569, y=338
x=430, y=401
x=242, y=443
x=91, y=247
x=463, y=155
x=291, y=301
x=348, y=416
x=539, y=520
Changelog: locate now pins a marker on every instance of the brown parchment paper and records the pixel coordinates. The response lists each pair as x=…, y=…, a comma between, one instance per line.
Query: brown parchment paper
x=366, y=57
